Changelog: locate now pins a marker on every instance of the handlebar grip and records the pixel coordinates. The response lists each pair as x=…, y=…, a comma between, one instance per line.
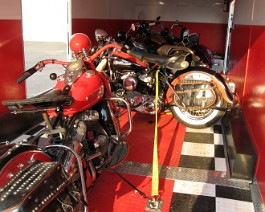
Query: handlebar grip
x=26, y=74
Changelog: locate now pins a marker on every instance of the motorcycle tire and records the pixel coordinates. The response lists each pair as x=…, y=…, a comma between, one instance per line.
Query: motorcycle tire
x=199, y=122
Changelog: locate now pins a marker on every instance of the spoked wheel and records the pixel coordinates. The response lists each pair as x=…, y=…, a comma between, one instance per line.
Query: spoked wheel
x=195, y=101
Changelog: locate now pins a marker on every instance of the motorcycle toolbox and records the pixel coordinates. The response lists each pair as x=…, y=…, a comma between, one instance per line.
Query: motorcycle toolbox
x=40, y=185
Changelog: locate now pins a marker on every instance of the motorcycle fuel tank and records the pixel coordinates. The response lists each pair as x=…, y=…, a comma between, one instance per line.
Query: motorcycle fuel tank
x=86, y=91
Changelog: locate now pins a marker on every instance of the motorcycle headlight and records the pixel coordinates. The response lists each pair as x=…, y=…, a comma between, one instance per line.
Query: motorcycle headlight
x=73, y=71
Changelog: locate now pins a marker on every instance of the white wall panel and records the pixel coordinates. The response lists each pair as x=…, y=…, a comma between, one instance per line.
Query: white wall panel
x=187, y=11
x=90, y=9
x=121, y=9
x=45, y=20
x=250, y=12
x=243, y=11
x=103, y=9
x=259, y=12
x=10, y=9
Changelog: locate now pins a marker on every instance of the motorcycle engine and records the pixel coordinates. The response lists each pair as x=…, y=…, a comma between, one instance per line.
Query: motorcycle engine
x=89, y=139
x=131, y=81
x=140, y=102
x=135, y=89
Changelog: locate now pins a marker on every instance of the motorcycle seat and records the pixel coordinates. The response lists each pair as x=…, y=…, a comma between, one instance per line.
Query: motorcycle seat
x=173, y=49
x=170, y=62
x=48, y=100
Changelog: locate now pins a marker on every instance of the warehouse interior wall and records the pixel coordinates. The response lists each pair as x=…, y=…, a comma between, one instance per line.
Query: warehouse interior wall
x=247, y=69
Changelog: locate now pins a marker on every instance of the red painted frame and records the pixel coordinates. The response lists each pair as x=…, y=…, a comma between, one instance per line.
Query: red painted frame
x=11, y=57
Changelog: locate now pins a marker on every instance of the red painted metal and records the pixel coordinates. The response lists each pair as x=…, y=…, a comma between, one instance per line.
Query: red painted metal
x=247, y=56
x=238, y=57
x=86, y=91
x=11, y=57
x=79, y=41
x=129, y=58
x=22, y=159
x=254, y=98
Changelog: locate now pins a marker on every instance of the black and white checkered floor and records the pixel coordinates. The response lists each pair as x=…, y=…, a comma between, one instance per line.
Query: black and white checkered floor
x=202, y=182
x=204, y=150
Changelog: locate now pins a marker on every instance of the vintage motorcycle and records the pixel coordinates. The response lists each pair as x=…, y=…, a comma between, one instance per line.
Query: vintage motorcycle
x=143, y=34
x=197, y=96
x=190, y=40
x=84, y=138
x=151, y=40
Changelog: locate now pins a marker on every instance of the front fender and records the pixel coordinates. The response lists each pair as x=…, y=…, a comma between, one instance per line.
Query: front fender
x=216, y=78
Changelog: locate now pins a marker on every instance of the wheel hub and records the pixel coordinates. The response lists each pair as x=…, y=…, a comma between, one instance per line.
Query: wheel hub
x=195, y=96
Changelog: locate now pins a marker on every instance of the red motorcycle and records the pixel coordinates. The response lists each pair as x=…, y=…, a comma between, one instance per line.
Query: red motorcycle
x=84, y=138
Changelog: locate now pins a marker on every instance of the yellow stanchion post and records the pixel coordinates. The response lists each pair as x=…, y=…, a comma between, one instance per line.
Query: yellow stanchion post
x=154, y=203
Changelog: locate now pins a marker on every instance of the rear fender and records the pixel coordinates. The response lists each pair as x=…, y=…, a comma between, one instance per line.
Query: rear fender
x=216, y=78
x=14, y=157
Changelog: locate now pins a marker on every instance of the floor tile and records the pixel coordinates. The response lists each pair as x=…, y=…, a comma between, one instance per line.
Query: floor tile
x=197, y=149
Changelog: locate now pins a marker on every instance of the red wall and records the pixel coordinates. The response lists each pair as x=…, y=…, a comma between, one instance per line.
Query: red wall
x=211, y=35
x=11, y=60
x=247, y=57
x=254, y=98
x=239, y=56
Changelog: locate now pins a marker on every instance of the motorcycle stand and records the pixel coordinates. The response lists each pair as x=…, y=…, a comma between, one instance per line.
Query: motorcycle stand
x=154, y=205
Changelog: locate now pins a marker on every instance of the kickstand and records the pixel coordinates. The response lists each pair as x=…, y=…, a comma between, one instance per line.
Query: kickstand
x=130, y=184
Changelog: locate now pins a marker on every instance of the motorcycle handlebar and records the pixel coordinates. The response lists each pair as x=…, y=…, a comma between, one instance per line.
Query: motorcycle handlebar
x=39, y=66
x=26, y=74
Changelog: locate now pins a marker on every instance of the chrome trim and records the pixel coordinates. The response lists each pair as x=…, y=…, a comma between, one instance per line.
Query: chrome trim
x=80, y=167
x=129, y=115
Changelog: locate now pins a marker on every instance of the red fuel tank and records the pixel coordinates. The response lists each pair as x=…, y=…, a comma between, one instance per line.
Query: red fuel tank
x=86, y=91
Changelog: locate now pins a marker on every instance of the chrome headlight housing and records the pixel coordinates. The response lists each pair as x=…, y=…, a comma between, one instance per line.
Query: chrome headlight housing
x=73, y=71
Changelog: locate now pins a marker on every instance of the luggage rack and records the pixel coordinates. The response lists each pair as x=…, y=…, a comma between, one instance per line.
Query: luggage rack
x=49, y=100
